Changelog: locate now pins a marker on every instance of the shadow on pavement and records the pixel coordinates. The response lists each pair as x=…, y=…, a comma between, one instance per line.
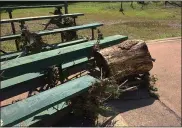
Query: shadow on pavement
x=128, y=101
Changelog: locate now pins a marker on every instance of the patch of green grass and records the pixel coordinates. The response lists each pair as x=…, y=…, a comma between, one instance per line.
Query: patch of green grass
x=153, y=22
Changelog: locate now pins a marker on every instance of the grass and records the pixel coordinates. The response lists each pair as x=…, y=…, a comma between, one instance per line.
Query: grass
x=153, y=22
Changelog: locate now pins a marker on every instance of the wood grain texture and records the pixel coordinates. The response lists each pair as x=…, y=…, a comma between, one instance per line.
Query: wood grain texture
x=128, y=58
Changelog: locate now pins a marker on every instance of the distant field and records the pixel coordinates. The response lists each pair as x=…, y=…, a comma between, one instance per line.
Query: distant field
x=153, y=22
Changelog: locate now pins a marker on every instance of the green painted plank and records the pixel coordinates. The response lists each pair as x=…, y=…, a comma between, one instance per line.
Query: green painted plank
x=20, y=79
x=26, y=7
x=9, y=56
x=9, y=37
x=57, y=45
x=75, y=62
x=30, y=76
x=65, y=44
x=48, y=112
x=86, y=26
x=39, y=18
x=47, y=32
x=22, y=110
x=40, y=61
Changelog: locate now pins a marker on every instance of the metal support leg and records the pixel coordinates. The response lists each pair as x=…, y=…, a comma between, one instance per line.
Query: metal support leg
x=66, y=7
x=92, y=33
x=58, y=11
x=22, y=23
x=74, y=18
x=13, y=28
x=62, y=39
x=61, y=75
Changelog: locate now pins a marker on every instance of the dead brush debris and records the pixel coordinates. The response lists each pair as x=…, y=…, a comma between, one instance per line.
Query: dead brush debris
x=91, y=103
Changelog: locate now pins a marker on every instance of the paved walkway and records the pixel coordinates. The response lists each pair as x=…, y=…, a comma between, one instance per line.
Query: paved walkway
x=168, y=70
x=146, y=111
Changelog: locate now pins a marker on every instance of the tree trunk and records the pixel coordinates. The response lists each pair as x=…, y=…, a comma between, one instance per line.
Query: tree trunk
x=125, y=59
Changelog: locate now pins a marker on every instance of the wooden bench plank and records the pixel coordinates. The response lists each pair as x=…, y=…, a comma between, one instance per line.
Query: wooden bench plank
x=9, y=37
x=20, y=79
x=22, y=110
x=35, y=6
x=30, y=76
x=40, y=61
x=9, y=56
x=41, y=116
x=65, y=44
x=86, y=26
x=39, y=18
x=59, y=30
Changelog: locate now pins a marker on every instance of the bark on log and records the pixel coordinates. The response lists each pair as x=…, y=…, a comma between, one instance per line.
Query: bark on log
x=125, y=59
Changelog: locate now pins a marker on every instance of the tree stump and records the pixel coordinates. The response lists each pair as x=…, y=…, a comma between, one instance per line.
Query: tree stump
x=125, y=59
